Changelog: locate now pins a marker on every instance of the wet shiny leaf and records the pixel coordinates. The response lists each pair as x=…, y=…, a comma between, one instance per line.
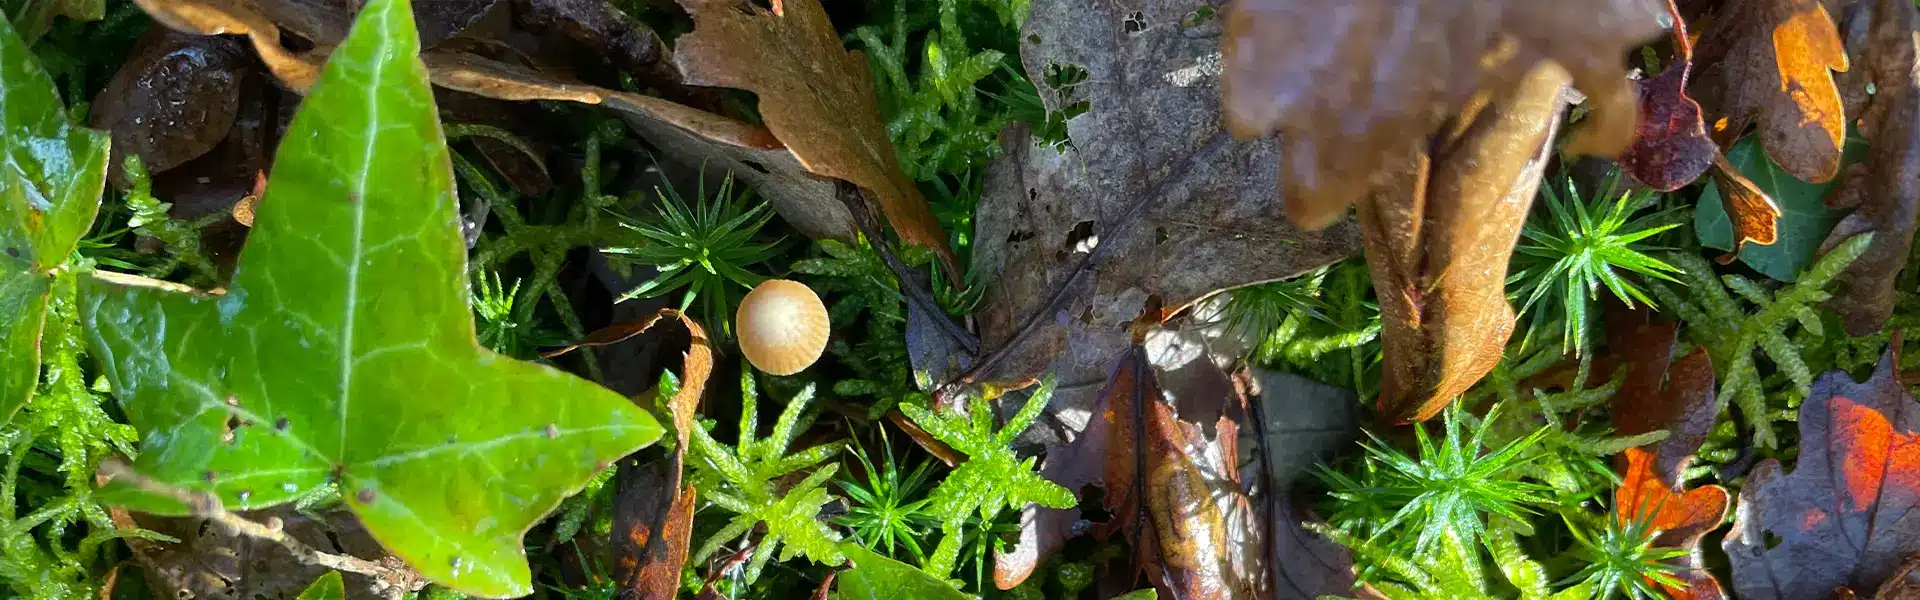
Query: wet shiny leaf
x=173, y=100
x=1349, y=84
x=349, y=300
x=1844, y=516
x=51, y=175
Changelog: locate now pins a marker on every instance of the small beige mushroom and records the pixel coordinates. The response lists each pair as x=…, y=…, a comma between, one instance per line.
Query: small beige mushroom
x=783, y=326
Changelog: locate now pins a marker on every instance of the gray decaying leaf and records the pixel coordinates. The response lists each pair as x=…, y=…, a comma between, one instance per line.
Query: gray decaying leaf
x=1152, y=203
x=173, y=100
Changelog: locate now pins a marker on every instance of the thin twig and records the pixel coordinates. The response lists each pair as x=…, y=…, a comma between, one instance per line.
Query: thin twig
x=393, y=580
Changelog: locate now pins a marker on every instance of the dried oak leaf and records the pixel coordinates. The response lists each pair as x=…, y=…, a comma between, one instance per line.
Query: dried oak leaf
x=1684, y=407
x=1670, y=147
x=1776, y=59
x=1846, y=516
x=1151, y=199
x=1886, y=186
x=815, y=95
x=1681, y=516
x=173, y=100
x=1439, y=232
x=1348, y=82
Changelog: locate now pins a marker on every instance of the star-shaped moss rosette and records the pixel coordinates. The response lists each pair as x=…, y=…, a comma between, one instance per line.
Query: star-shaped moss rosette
x=51, y=174
x=344, y=351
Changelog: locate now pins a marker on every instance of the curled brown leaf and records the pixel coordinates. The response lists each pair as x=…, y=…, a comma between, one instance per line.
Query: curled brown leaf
x=1348, y=82
x=173, y=100
x=1439, y=235
x=1755, y=217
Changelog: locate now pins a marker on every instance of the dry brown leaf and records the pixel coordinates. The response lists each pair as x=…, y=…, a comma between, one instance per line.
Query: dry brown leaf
x=1151, y=207
x=1755, y=217
x=1348, y=82
x=1776, y=59
x=1681, y=516
x=325, y=22
x=1439, y=235
x=1886, y=186
x=815, y=95
x=1846, y=515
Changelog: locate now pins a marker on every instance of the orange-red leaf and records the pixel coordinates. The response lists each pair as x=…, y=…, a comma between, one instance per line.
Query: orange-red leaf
x=1755, y=216
x=1681, y=516
x=1849, y=512
x=815, y=95
x=1349, y=83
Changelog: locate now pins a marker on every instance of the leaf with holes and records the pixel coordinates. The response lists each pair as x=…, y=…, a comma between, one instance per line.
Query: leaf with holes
x=1847, y=514
x=51, y=174
x=343, y=351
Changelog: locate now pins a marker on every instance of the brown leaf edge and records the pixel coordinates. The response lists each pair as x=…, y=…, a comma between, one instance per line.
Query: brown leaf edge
x=1670, y=147
x=652, y=528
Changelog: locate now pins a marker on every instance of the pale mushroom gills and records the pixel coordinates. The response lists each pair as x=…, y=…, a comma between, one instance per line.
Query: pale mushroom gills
x=782, y=326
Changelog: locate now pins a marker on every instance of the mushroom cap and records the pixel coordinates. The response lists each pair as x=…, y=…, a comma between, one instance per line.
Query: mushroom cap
x=783, y=326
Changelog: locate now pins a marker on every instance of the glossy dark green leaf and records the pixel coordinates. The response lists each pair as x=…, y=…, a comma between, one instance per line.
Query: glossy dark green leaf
x=51, y=173
x=327, y=587
x=344, y=350
x=876, y=577
x=1804, y=216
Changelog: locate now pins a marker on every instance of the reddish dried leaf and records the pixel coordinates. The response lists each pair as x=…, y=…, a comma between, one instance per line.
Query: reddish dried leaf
x=1850, y=510
x=1349, y=82
x=1755, y=216
x=1887, y=185
x=1439, y=235
x=1681, y=516
x=1684, y=407
x=1777, y=59
x=173, y=100
x=815, y=95
x=1670, y=147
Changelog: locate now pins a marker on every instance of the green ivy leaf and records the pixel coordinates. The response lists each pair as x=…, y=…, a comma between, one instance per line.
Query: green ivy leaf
x=1804, y=216
x=344, y=353
x=51, y=174
x=327, y=587
x=876, y=577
